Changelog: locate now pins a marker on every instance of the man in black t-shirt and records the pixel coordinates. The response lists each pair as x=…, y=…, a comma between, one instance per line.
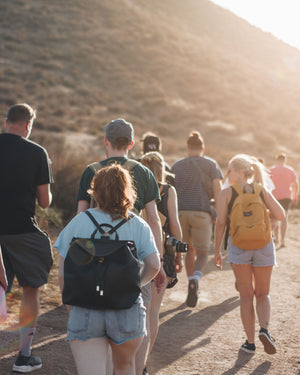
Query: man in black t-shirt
x=25, y=176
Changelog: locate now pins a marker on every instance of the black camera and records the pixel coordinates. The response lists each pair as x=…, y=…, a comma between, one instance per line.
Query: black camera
x=173, y=245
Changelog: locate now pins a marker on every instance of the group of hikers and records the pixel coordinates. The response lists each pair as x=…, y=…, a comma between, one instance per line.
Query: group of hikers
x=143, y=217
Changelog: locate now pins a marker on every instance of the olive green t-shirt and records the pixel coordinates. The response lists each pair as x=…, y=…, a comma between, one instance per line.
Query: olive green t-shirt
x=144, y=182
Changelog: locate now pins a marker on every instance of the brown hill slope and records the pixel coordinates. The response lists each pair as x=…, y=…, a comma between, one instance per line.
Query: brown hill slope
x=168, y=66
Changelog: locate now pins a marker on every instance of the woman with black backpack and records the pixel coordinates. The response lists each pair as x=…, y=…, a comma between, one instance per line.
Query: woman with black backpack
x=251, y=252
x=119, y=323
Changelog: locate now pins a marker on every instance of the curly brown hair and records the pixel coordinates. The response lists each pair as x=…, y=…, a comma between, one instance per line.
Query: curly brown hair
x=113, y=190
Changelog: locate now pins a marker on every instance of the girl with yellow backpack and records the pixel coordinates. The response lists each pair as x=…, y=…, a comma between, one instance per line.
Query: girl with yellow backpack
x=251, y=252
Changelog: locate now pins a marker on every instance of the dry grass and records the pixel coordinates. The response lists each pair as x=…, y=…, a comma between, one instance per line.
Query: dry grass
x=170, y=67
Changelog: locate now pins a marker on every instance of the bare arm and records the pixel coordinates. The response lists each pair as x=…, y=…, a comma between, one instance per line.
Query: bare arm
x=82, y=206
x=217, y=186
x=224, y=198
x=295, y=188
x=44, y=195
x=150, y=269
x=61, y=263
x=3, y=279
x=174, y=224
x=155, y=225
x=276, y=210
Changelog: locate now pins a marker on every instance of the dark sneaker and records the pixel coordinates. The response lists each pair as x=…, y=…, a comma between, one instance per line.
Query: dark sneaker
x=27, y=364
x=192, y=297
x=248, y=348
x=145, y=371
x=268, y=341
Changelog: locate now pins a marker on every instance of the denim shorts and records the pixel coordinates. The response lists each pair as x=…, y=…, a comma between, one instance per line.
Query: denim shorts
x=266, y=256
x=117, y=325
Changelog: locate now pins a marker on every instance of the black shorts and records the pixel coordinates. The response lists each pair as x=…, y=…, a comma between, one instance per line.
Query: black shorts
x=30, y=256
x=285, y=203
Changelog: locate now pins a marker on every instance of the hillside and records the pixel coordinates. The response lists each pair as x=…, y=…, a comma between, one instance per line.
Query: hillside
x=169, y=66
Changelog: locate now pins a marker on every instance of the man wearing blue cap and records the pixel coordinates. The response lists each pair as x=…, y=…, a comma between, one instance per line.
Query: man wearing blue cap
x=118, y=140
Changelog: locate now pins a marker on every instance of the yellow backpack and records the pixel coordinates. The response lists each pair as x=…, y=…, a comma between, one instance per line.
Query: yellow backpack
x=250, y=227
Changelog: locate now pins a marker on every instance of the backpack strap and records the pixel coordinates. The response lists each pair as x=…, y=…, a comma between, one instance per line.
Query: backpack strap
x=129, y=165
x=162, y=206
x=236, y=190
x=95, y=167
x=111, y=231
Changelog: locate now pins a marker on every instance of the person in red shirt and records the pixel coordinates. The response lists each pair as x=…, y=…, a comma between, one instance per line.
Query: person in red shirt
x=286, y=189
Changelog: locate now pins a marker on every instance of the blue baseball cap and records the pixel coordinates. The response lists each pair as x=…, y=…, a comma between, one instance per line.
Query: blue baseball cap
x=119, y=128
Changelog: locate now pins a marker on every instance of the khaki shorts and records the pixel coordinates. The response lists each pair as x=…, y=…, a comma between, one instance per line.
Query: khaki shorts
x=196, y=229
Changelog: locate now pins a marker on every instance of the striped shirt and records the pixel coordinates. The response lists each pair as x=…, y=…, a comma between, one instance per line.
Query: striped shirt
x=190, y=190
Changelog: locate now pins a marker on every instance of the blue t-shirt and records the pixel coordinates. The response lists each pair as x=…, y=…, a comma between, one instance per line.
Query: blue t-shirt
x=136, y=229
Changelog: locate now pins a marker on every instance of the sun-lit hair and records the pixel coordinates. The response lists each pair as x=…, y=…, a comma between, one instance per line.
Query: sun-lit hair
x=113, y=190
x=253, y=170
x=195, y=141
x=155, y=162
x=281, y=156
x=20, y=113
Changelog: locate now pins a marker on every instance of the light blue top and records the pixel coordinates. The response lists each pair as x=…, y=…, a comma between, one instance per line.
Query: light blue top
x=136, y=229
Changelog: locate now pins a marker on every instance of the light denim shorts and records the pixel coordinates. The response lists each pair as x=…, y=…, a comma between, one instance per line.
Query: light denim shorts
x=266, y=256
x=117, y=325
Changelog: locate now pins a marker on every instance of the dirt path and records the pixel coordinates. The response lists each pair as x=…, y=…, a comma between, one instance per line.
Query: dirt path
x=204, y=340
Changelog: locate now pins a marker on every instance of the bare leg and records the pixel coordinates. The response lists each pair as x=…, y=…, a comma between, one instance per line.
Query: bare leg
x=109, y=363
x=243, y=275
x=283, y=228
x=29, y=311
x=262, y=278
x=201, y=260
x=90, y=356
x=124, y=356
x=30, y=306
x=142, y=352
x=275, y=228
x=190, y=261
x=155, y=304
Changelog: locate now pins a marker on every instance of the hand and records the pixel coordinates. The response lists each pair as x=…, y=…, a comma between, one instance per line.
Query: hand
x=160, y=279
x=218, y=260
x=178, y=263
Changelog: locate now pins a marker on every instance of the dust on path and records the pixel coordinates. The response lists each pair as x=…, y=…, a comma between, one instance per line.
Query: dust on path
x=204, y=340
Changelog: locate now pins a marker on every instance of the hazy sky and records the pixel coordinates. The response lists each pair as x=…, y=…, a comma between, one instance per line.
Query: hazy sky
x=280, y=17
